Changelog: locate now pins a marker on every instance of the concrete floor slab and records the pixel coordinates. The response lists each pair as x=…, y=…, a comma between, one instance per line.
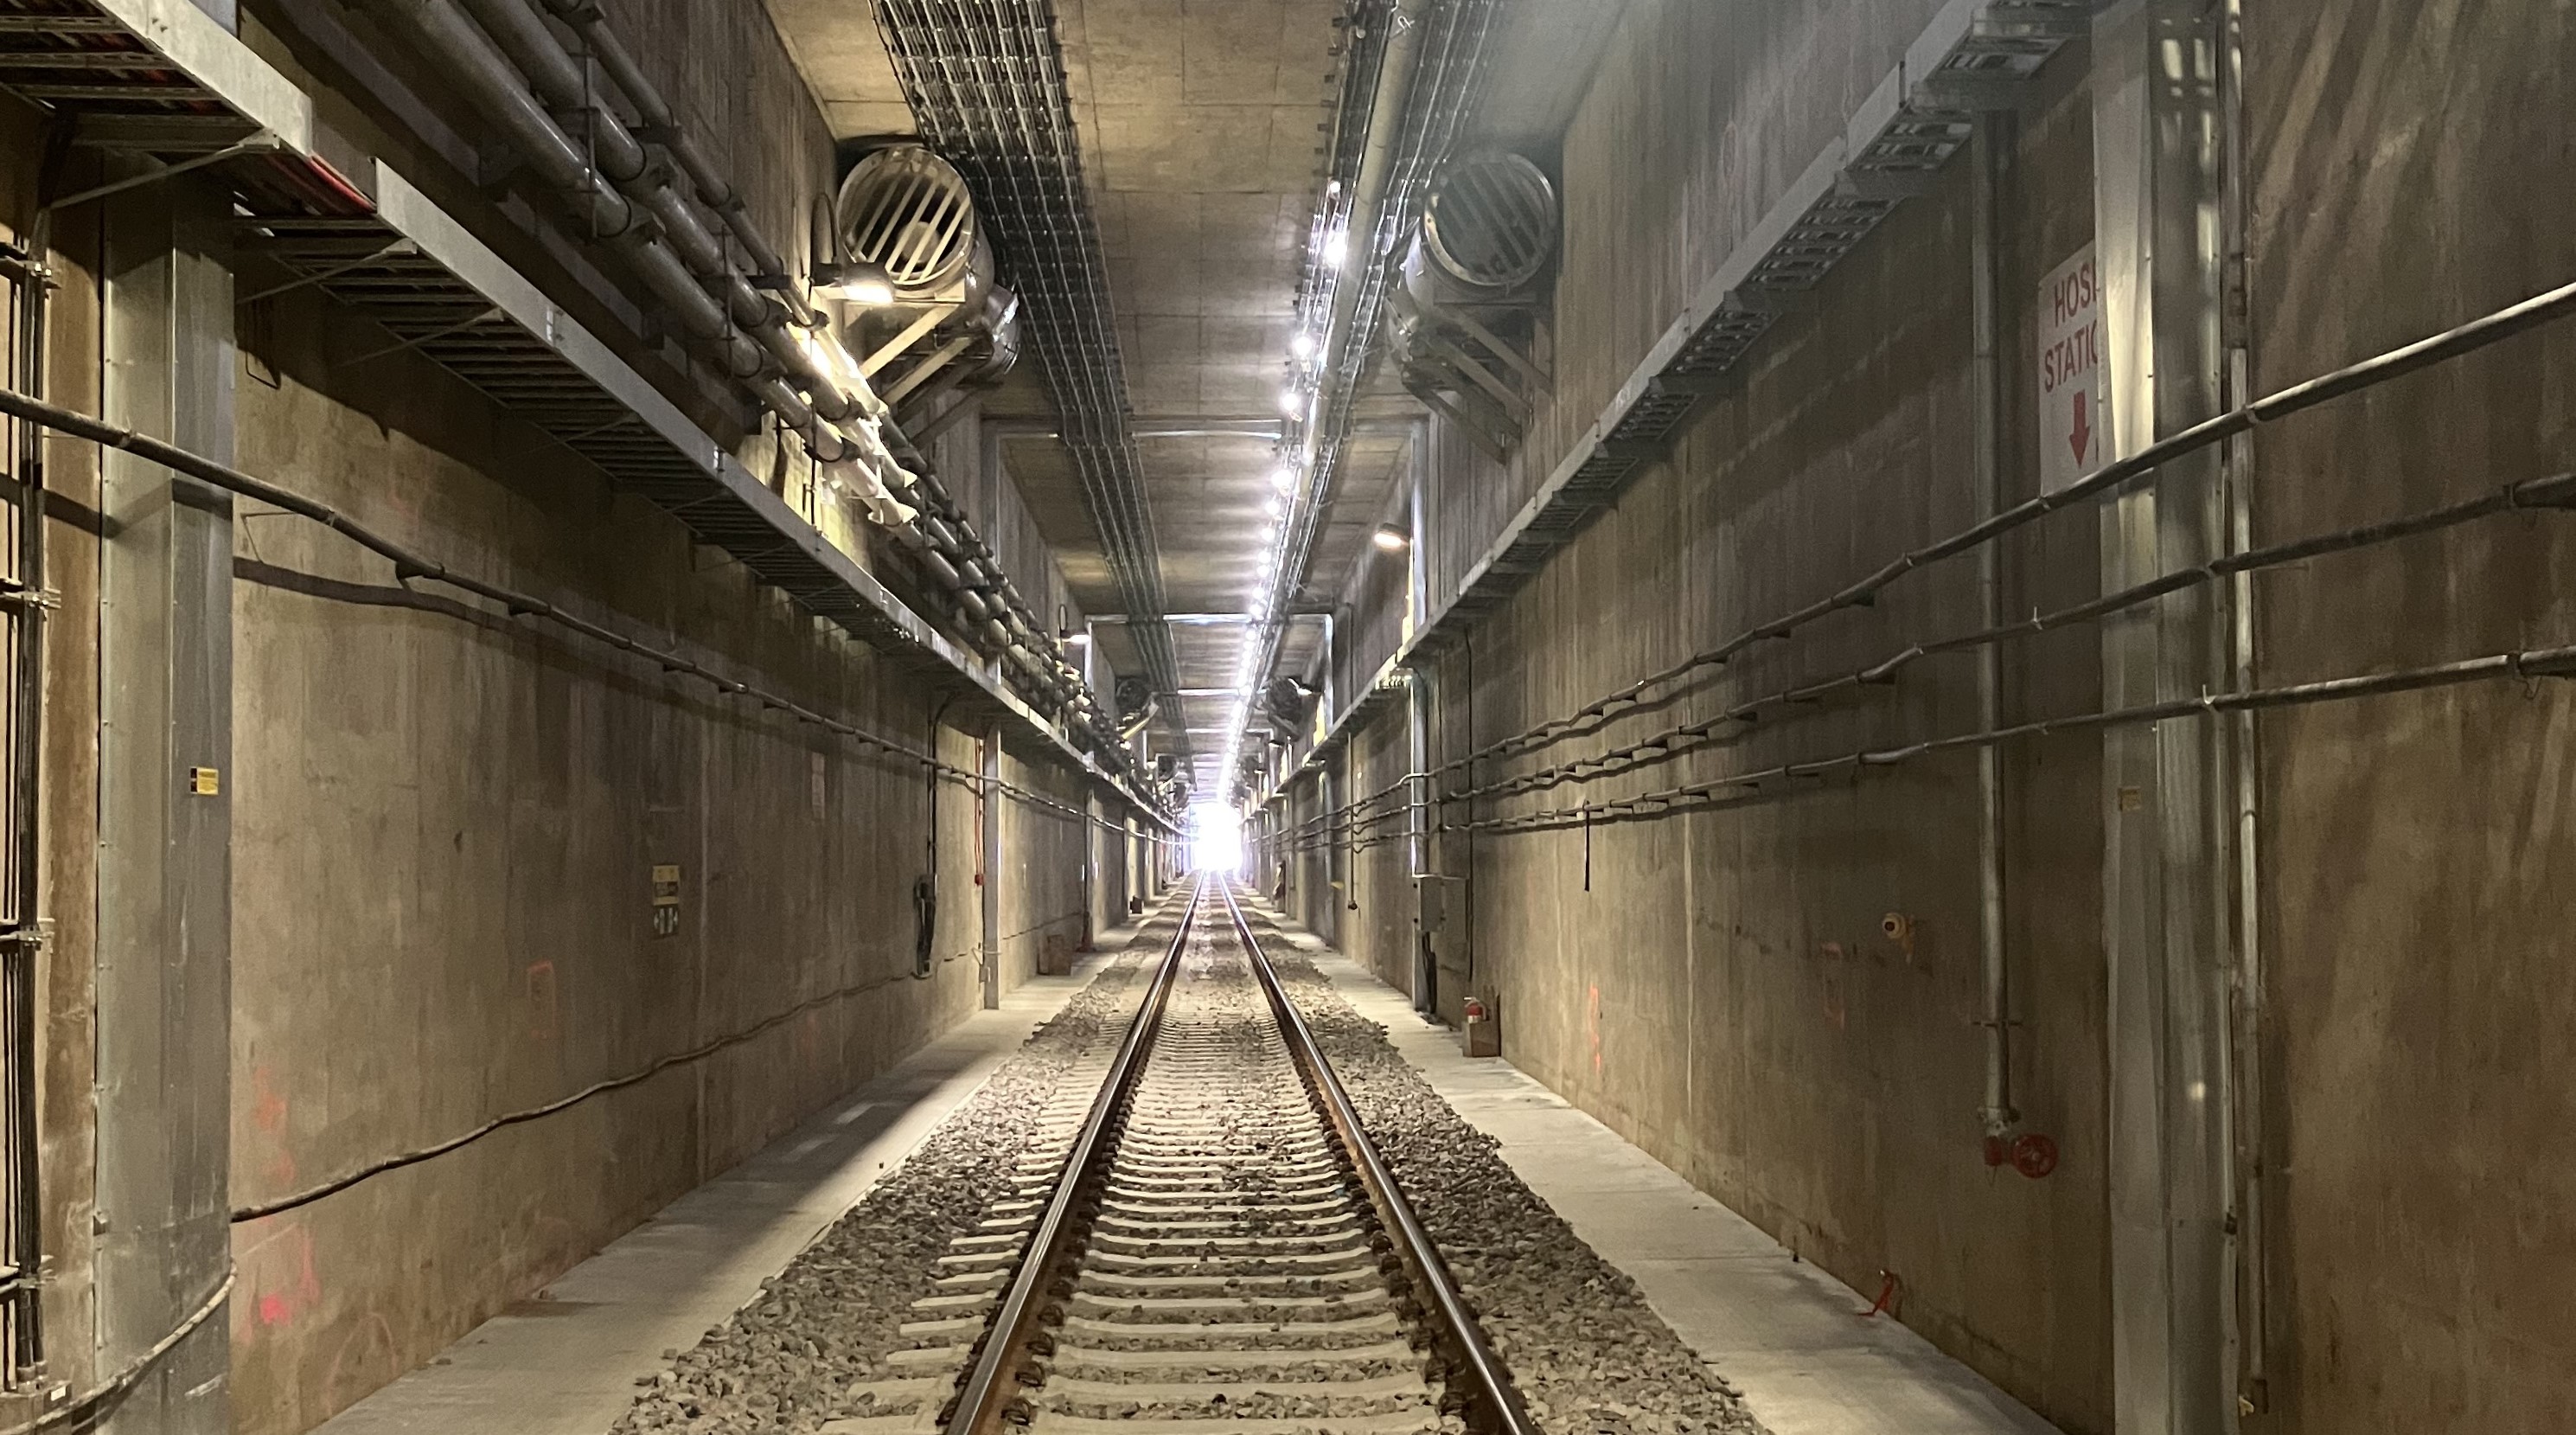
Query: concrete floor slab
x=566, y=1364
x=1788, y=1335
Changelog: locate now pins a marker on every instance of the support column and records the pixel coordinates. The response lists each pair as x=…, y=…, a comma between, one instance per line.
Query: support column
x=2166, y=897
x=989, y=798
x=1417, y=796
x=164, y=989
x=1417, y=521
x=1329, y=903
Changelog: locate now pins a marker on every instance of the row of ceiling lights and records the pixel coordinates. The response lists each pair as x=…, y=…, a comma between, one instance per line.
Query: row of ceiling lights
x=1296, y=402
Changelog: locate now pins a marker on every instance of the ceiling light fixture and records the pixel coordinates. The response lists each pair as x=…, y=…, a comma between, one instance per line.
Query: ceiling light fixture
x=1284, y=478
x=1275, y=507
x=1291, y=403
x=1391, y=538
x=1303, y=345
x=861, y=282
x=1337, y=247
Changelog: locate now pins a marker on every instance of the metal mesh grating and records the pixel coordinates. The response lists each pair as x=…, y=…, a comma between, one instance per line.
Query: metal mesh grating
x=1492, y=221
x=369, y=268
x=986, y=83
x=907, y=209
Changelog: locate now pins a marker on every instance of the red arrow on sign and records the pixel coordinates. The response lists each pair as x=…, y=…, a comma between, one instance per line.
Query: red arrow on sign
x=2082, y=438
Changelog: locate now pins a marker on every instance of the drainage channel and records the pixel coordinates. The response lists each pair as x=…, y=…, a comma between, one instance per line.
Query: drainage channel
x=1204, y=1243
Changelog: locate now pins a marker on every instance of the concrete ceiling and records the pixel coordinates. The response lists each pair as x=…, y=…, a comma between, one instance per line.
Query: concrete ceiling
x=1199, y=123
x=1202, y=125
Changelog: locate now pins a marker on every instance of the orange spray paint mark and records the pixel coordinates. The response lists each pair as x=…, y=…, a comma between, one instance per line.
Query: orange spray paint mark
x=1834, y=1010
x=268, y=1109
x=541, y=1000
x=279, y=1267
x=268, y=1112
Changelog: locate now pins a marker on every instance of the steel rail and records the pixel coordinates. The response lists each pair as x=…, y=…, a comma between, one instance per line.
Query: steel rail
x=1474, y=1372
x=992, y=1383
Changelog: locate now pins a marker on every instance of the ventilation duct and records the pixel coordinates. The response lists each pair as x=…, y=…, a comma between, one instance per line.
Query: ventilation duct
x=1290, y=702
x=904, y=218
x=1132, y=721
x=1466, y=321
x=1489, y=228
x=1134, y=694
x=548, y=108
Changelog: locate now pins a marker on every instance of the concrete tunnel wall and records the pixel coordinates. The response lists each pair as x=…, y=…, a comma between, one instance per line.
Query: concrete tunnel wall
x=2415, y=849
x=1723, y=991
x=445, y=833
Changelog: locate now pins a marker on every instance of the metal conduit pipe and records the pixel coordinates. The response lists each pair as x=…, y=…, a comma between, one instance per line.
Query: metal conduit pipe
x=619, y=155
x=655, y=113
x=558, y=78
x=1392, y=158
x=993, y=601
x=969, y=566
x=1988, y=150
x=488, y=81
x=1406, y=23
x=947, y=576
x=977, y=566
x=516, y=35
x=486, y=77
x=505, y=59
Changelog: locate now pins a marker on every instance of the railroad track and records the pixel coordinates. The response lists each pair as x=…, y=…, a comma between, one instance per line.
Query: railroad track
x=1207, y=1244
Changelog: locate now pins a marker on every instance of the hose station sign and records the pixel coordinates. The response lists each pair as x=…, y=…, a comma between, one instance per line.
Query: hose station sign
x=666, y=899
x=2074, y=427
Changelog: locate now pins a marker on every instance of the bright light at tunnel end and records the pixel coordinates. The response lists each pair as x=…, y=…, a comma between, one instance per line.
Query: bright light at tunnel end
x=1215, y=838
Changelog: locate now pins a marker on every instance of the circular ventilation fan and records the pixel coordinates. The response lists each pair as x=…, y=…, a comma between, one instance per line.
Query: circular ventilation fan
x=1492, y=221
x=907, y=209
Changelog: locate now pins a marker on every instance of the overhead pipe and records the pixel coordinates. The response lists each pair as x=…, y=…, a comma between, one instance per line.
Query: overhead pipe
x=1397, y=64
x=1353, y=303
x=619, y=153
x=495, y=73
x=504, y=59
x=714, y=190
x=487, y=78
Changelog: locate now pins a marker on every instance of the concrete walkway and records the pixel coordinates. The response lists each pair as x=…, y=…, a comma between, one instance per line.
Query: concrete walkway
x=572, y=1370
x=1783, y=1332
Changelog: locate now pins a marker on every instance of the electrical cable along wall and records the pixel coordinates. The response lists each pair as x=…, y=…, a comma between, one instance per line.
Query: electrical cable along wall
x=1354, y=820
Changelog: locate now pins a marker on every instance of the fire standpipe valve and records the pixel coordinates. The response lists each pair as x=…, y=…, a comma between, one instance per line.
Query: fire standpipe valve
x=2030, y=1153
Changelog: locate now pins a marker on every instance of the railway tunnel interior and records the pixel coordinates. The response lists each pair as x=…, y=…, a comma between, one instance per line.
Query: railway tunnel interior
x=1286, y=717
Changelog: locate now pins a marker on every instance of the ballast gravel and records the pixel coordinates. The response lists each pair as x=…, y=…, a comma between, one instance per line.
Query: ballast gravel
x=786, y=1361
x=1588, y=1355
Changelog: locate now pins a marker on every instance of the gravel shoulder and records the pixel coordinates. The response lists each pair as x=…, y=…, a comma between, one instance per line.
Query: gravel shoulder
x=787, y=1361
x=1589, y=1355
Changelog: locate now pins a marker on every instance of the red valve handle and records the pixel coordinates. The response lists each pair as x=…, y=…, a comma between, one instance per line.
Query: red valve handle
x=2034, y=1155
